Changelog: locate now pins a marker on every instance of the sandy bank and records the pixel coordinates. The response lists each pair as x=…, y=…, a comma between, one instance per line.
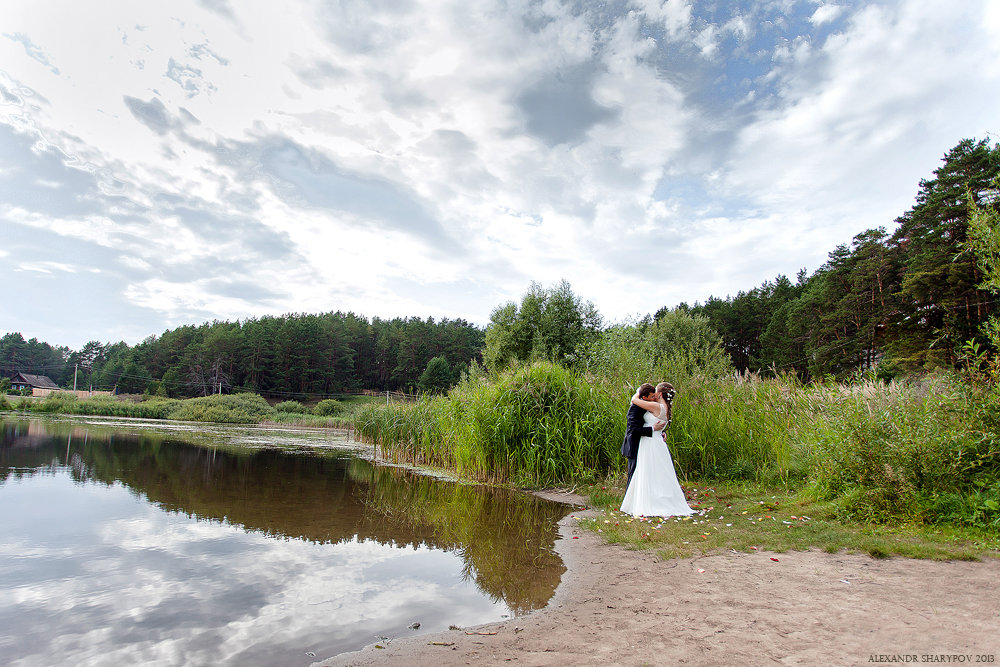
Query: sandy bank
x=616, y=606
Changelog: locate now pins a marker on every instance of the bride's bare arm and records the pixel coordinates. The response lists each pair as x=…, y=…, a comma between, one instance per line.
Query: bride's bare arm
x=648, y=406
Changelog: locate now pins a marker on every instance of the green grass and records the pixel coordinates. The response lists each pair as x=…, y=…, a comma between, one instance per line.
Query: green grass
x=779, y=519
x=920, y=452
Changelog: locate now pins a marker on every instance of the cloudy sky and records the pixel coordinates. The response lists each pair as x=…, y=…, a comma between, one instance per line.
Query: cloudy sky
x=164, y=163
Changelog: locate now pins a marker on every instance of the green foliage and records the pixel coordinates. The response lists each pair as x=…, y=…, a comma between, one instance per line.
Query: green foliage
x=108, y=406
x=227, y=408
x=906, y=299
x=677, y=346
x=737, y=428
x=56, y=402
x=984, y=242
x=550, y=324
x=328, y=407
x=898, y=452
x=291, y=406
x=235, y=409
x=920, y=452
x=984, y=234
x=536, y=424
x=4, y=385
x=4, y=404
x=437, y=377
x=747, y=517
x=940, y=303
x=298, y=354
x=18, y=354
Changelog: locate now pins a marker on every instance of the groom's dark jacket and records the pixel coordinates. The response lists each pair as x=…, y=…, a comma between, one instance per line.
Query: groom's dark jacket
x=634, y=429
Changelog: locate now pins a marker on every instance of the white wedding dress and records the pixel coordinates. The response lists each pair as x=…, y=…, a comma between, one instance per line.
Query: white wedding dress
x=654, y=490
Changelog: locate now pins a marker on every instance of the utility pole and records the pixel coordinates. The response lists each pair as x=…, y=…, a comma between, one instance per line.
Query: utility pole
x=75, y=368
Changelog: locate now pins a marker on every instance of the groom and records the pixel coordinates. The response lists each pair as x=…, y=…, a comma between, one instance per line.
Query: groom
x=635, y=428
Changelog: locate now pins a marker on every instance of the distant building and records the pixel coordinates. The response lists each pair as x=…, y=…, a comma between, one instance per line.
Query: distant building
x=23, y=381
x=41, y=386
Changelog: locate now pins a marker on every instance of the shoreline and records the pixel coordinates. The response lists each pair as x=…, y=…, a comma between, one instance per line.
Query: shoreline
x=615, y=606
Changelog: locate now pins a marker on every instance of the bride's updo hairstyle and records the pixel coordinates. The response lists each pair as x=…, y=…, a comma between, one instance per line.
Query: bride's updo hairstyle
x=667, y=390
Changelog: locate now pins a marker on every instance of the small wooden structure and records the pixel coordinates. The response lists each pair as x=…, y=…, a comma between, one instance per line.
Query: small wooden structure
x=23, y=381
x=41, y=386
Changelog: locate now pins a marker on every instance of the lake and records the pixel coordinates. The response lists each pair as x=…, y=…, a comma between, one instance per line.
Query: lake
x=127, y=542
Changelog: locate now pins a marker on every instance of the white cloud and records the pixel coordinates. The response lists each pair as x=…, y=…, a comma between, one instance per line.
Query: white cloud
x=826, y=13
x=46, y=267
x=433, y=159
x=707, y=41
x=865, y=116
x=675, y=15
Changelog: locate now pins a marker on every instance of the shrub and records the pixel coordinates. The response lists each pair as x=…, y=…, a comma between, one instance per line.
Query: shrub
x=328, y=407
x=908, y=452
x=227, y=408
x=108, y=406
x=291, y=406
x=58, y=401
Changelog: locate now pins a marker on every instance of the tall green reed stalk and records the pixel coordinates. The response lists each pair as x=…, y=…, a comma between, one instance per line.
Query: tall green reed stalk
x=534, y=425
x=742, y=427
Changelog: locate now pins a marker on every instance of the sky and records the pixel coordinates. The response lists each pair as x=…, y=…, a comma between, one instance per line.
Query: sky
x=169, y=163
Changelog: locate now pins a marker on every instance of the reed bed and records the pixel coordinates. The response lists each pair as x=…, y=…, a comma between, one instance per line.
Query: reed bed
x=923, y=451
x=538, y=425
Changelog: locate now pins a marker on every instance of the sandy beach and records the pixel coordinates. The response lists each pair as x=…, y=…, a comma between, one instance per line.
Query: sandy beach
x=615, y=606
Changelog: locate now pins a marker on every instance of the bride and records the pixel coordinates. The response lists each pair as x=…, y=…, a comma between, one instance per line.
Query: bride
x=654, y=490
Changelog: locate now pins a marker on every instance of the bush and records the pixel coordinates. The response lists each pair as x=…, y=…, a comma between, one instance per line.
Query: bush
x=918, y=452
x=291, y=406
x=58, y=401
x=226, y=408
x=328, y=407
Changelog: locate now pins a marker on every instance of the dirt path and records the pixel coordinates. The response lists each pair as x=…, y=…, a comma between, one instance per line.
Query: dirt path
x=807, y=608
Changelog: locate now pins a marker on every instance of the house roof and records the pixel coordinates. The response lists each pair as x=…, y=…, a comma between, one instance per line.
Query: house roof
x=40, y=381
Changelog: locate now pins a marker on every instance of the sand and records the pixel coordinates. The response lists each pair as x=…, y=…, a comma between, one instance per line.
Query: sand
x=620, y=607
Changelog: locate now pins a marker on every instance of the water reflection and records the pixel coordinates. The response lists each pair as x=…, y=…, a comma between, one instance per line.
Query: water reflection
x=260, y=556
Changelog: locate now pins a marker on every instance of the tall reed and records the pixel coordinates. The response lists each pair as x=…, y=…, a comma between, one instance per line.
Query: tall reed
x=537, y=425
x=908, y=452
x=741, y=427
x=920, y=451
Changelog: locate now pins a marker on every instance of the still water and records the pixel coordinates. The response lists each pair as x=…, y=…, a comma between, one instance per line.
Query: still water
x=123, y=545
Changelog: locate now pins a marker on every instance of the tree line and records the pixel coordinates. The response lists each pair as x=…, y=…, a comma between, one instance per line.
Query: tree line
x=902, y=301
x=295, y=355
x=895, y=303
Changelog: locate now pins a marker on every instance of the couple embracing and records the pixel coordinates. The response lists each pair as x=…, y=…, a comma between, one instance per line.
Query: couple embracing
x=652, y=488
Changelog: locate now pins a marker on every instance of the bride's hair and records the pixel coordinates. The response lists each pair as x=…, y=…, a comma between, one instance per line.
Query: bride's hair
x=667, y=390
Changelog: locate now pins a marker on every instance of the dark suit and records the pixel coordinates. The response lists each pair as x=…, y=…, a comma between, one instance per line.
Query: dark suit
x=634, y=429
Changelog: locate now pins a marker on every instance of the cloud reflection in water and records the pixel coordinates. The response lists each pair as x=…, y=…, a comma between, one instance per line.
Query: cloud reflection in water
x=99, y=572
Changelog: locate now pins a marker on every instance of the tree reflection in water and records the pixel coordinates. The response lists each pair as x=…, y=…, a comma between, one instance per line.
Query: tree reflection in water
x=505, y=538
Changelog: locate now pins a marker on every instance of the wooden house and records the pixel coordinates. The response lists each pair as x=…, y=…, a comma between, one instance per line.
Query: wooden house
x=23, y=381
